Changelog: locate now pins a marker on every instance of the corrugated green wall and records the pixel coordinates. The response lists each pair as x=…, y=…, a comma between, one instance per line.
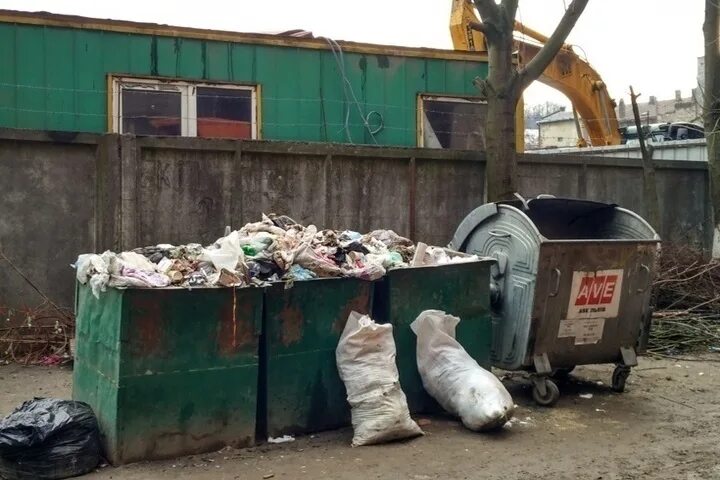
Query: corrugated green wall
x=55, y=79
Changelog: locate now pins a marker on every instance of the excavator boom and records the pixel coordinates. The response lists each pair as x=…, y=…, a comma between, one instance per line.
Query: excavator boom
x=567, y=72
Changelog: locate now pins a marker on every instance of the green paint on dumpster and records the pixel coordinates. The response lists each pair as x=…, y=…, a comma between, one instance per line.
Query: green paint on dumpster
x=461, y=289
x=302, y=328
x=169, y=372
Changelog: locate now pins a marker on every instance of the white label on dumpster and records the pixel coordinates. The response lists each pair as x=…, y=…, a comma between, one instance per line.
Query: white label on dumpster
x=595, y=294
x=567, y=328
x=589, y=330
x=585, y=330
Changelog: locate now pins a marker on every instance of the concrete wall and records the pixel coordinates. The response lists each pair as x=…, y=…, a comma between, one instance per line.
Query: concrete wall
x=66, y=194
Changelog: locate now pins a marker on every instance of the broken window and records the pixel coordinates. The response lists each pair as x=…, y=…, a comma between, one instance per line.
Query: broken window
x=452, y=122
x=223, y=112
x=156, y=107
x=151, y=112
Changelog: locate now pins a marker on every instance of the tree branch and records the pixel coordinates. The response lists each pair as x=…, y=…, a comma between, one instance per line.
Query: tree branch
x=649, y=185
x=488, y=10
x=509, y=8
x=539, y=63
x=480, y=27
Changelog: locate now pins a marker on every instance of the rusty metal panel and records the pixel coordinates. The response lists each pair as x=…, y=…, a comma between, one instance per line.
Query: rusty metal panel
x=459, y=289
x=169, y=372
x=60, y=84
x=303, y=392
x=604, y=313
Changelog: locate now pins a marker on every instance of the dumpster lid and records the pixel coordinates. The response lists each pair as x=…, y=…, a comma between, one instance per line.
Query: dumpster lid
x=562, y=219
x=575, y=219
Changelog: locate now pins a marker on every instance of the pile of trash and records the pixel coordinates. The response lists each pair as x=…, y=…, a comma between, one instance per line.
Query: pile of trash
x=274, y=249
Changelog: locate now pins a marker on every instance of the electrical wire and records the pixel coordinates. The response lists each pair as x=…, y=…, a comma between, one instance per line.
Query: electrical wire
x=347, y=87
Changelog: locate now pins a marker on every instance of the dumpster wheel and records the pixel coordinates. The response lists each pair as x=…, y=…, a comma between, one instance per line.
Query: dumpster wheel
x=620, y=375
x=545, y=392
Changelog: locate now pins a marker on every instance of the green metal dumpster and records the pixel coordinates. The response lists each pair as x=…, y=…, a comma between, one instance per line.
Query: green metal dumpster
x=169, y=372
x=460, y=289
x=303, y=392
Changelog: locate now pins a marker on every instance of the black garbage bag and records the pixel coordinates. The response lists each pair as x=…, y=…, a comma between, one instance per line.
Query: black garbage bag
x=48, y=438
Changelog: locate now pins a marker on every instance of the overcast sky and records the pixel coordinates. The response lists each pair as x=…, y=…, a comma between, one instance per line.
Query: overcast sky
x=651, y=44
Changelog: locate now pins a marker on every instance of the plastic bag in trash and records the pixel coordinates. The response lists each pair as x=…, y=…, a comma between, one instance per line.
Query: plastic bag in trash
x=225, y=253
x=371, y=271
x=47, y=438
x=306, y=257
x=366, y=362
x=136, y=261
x=297, y=272
x=454, y=378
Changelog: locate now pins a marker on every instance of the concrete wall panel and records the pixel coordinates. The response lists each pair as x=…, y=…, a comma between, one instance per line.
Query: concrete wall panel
x=70, y=194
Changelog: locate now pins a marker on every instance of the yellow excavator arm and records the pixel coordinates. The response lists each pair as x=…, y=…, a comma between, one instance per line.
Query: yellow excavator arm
x=567, y=72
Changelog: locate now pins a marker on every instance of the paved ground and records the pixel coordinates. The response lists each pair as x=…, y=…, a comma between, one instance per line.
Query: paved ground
x=666, y=426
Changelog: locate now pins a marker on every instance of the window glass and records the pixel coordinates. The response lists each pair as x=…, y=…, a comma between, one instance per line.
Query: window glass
x=151, y=112
x=457, y=124
x=224, y=112
x=172, y=107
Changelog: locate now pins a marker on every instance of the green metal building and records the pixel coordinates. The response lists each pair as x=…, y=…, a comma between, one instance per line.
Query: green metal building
x=79, y=74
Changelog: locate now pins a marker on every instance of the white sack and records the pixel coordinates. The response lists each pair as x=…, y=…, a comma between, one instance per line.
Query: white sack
x=366, y=361
x=454, y=378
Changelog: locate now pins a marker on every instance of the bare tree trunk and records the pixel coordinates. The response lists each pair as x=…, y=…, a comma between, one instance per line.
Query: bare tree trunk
x=502, y=98
x=711, y=30
x=650, y=195
x=505, y=84
x=501, y=171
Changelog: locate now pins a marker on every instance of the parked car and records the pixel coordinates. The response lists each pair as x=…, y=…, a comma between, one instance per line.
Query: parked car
x=663, y=132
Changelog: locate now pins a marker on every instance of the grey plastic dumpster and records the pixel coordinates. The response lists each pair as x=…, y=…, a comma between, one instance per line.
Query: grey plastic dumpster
x=571, y=285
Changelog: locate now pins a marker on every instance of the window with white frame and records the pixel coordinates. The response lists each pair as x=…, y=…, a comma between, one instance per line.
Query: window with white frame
x=158, y=107
x=451, y=122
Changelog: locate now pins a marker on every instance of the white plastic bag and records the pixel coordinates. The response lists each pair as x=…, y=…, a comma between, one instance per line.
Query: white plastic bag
x=454, y=378
x=137, y=261
x=225, y=253
x=366, y=361
x=94, y=270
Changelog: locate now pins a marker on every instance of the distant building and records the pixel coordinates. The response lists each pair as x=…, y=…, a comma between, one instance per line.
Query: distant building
x=558, y=130
x=678, y=109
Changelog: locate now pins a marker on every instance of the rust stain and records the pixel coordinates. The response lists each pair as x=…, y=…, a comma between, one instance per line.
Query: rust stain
x=245, y=330
x=234, y=318
x=147, y=331
x=291, y=325
x=360, y=304
x=235, y=331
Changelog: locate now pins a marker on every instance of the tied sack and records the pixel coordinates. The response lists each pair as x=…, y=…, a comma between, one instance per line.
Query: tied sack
x=366, y=362
x=454, y=378
x=49, y=439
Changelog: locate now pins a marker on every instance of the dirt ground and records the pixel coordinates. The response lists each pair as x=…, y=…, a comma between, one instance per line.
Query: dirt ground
x=665, y=426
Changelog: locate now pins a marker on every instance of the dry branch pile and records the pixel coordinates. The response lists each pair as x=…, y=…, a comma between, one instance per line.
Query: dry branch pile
x=36, y=335
x=687, y=303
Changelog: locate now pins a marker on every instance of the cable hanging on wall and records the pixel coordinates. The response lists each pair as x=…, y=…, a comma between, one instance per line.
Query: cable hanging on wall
x=349, y=92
